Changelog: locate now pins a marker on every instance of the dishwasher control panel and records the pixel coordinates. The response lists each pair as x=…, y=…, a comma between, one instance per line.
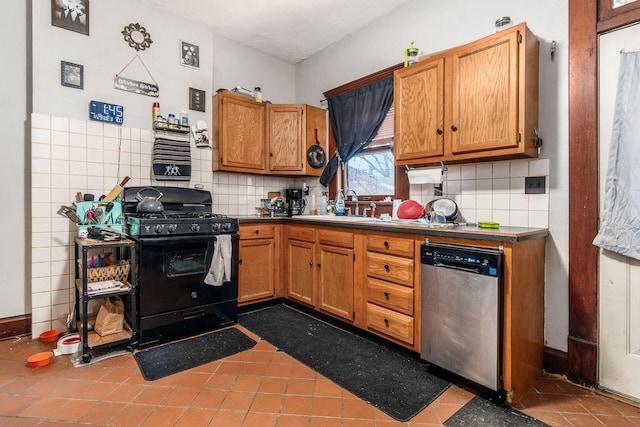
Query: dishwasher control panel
x=477, y=260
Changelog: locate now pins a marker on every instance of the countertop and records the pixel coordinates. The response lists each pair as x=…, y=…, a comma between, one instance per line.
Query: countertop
x=466, y=231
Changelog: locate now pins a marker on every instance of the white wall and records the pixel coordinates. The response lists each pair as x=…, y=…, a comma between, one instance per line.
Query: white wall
x=435, y=26
x=15, y=154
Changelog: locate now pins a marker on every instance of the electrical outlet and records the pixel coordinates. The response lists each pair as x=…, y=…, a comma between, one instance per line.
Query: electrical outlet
x=535, y=185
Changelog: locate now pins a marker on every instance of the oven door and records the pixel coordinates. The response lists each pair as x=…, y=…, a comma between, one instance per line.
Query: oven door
x=172, y=272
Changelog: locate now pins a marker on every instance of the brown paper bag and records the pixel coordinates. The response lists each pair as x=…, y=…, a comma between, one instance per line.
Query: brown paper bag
x=110, y=317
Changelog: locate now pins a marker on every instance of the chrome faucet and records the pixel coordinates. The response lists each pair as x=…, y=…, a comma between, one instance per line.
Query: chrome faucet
x=354, y=198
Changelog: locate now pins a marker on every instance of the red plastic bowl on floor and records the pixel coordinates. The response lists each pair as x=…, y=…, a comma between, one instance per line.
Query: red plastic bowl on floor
x=40, y=359
x=50, y=336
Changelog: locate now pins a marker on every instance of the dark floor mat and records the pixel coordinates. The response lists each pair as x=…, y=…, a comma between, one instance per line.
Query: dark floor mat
x=178, y=356
x=482, y=412
x=396, y=384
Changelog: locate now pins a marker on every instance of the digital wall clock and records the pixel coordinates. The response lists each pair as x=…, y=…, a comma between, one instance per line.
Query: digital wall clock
x=105, y=112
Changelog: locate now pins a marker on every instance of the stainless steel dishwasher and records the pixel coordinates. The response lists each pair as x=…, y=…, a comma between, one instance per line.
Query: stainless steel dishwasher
x=461, y=328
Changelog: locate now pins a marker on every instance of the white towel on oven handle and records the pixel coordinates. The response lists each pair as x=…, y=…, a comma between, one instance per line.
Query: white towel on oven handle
x=220, y=269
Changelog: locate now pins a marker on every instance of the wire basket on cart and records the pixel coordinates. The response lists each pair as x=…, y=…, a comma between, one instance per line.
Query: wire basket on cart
x=117, y=271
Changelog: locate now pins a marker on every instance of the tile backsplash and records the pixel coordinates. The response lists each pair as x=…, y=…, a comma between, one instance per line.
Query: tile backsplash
x=70, y=155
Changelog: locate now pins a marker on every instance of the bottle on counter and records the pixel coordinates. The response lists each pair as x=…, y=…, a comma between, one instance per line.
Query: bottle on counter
x=313, y=207
x=340, y=203
x=324, y=203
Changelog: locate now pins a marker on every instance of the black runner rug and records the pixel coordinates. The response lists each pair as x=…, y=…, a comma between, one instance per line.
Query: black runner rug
x=483, y=412
x=164, y=360
x=397, y=385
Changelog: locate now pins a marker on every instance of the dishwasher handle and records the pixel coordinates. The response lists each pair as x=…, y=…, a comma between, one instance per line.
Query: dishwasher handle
x=458, y=267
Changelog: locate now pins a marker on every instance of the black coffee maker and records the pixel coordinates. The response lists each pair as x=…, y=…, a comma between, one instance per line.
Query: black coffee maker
x=295, y=201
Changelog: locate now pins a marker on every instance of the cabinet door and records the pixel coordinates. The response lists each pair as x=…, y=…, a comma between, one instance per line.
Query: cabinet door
x=300, y=271
x=335, y=280
x=485, y=95
x=285, y=139
x=242, y=135
x=419, y=110
x=256, y=269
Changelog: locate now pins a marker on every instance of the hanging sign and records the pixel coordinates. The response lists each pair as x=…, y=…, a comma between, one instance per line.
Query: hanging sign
x=135, y=86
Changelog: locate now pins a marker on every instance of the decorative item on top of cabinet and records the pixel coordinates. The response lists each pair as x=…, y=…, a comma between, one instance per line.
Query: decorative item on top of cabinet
x=238, y=133
x=294, y=129
x=258, y=262
x=477, y=101
x=390, y=288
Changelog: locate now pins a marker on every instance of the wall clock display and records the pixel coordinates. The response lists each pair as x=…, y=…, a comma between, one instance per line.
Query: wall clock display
x=105, y=112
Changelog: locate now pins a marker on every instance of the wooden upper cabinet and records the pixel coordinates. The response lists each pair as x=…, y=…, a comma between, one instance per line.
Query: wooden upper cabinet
x=484, y=99
x=238, y=133
x=292, y=130
x=419, y=106
x=474, y=102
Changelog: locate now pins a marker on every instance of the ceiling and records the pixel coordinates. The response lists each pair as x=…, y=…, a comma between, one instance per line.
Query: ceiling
x=291, y=30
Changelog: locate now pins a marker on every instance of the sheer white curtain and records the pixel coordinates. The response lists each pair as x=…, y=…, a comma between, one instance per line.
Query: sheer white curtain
x=620, y=228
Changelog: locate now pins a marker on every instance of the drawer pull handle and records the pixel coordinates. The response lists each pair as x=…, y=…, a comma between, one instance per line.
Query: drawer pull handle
x=318, y=265
x=439, y=131
x=386, y=295
x=386, y=244
x=454, y=128
x=386, y=267
x=386, y=322
x=239, y=261
x=257, y=231
x=310, y=264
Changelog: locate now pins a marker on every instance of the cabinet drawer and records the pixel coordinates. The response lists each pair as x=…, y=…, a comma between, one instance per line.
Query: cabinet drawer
x=391, y=245
x=390, y=268
x=257, y=231
x=308, y=234
x=391, y=296
x=336, y=238
x=396, y=325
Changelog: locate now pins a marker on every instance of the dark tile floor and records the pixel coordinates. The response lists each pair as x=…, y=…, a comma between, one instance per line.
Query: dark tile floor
x=260, y=387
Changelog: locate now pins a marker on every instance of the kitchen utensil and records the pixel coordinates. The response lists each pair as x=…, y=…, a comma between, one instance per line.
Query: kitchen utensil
x=69, y=213
x=444, y=206
x=88, y=197
x=316, y=155
x=149, y=204
x=79, y=197
x=50, y=336
x=40, y=359
x=115, y=191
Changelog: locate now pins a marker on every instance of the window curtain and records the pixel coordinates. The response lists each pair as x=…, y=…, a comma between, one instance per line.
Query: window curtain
x=620, y=228
x=355, y=118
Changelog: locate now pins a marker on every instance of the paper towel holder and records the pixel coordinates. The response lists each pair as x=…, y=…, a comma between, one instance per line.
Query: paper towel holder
x=442, y=170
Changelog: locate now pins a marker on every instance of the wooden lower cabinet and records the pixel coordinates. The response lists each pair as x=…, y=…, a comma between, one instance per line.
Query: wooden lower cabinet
x=319, y=269
x=259, y=263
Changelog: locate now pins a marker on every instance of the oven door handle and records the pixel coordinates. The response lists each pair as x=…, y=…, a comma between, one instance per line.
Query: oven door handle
x=194, y=315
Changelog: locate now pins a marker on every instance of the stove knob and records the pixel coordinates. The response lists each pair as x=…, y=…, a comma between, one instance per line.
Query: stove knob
x=226, y=226
x=172, y=227
x=195, y=227
x=216, y=226
x=157, y=228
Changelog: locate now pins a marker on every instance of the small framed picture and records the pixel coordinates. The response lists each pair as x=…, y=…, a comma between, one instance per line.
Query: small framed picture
x=71, y=15
x=196, y=99
x=189, y=55
x=71, y=75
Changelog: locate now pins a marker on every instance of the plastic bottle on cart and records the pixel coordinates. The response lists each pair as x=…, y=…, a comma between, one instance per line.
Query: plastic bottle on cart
x=340, y=203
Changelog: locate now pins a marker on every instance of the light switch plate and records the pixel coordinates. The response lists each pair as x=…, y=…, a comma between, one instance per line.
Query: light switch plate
x=535, y=185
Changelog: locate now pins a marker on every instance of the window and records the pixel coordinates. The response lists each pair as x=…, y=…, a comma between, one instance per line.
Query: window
x=371, y=172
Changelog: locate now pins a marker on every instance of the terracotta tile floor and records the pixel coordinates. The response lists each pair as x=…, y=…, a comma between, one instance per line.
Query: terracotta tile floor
x=261, y=387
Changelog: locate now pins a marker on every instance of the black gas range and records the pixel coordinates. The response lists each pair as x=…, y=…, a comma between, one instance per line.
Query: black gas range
x=175, y=251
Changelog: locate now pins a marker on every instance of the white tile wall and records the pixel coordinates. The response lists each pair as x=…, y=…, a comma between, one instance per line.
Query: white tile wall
x=74, y=155
x=493, y=192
